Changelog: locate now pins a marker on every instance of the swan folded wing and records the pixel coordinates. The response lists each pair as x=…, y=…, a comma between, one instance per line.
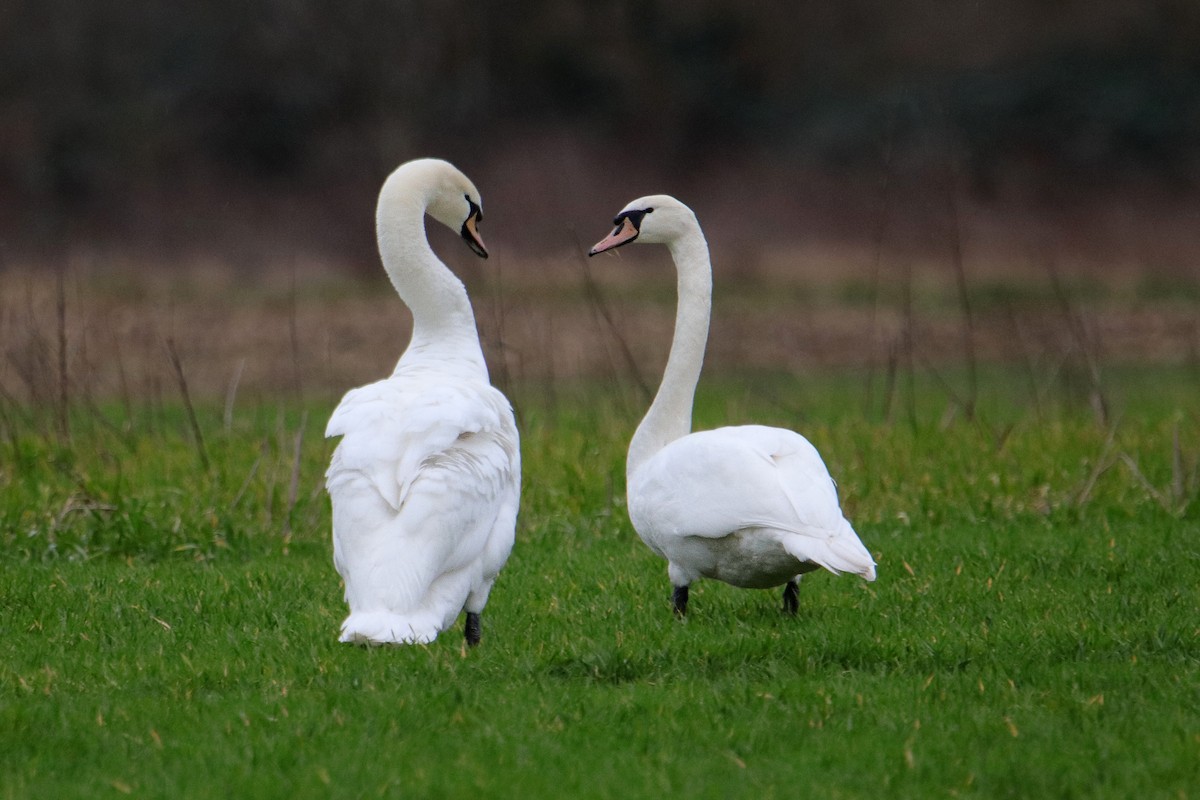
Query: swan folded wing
x=713, y=483
x=818, y=532
x=390, y=434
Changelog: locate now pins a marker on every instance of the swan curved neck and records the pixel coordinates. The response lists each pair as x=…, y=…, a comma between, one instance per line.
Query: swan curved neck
x=670, y=415
x=443, y=322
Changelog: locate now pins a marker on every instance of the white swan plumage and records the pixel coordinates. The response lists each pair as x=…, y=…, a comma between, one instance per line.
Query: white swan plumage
x=425, y=481
x=749, y=505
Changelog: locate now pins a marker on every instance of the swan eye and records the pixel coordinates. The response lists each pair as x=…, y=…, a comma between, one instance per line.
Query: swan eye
x=473, y=210
x=634, y=217
x=470, y=228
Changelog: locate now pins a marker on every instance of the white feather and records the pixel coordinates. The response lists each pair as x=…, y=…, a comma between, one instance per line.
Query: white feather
x=425, y=482
x=753, y=506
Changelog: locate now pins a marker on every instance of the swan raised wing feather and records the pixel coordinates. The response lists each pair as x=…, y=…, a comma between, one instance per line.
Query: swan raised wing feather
x=390, y=431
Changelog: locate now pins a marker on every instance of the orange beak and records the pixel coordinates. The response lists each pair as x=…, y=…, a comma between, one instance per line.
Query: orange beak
x=470, y=233
x=624, y=233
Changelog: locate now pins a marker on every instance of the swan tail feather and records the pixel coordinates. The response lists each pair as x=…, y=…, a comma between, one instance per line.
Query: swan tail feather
x=383, y=627
x=850, y=549
x=842, y=552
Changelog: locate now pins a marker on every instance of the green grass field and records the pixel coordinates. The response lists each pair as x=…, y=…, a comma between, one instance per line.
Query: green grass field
x=169, y=629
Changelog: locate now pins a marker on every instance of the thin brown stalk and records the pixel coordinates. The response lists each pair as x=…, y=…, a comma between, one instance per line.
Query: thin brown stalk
x=269, y=493
x=187, y=403
x=596, y=301
x=294, y=483
x=123, y=379
x=1086, y=345
x=502, y=377
x=231, y=394
x=10, y=427
x=909, y=346
x=97, y=415
x=245, y=483
x=1150, y=488
x=889, y=393
x=1027, y=361
x=64, y=392
x=294, y=337
x=1103, y=464
x=877, y=237
x=1178, y=490
x=955, y=398
x=960, y=277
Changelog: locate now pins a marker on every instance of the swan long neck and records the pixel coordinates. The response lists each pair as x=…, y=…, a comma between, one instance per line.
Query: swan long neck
x=670, y=415
x=444, y=332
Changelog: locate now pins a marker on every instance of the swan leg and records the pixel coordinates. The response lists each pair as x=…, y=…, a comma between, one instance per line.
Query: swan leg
x=473, y=629
x=680, y=599
x=791, y=597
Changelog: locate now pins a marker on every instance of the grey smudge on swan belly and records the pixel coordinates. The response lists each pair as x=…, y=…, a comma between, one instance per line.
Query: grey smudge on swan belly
x=752, y=558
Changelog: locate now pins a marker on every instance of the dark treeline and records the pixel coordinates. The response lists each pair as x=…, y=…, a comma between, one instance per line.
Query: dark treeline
x=105, y=99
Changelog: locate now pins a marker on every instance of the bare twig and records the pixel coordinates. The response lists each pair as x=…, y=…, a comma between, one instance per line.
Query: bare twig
x=889, y=394
x=881, y=222
x=596, y=300
x=908, y=338
x=294, y=484
x=96, y=414
x=187, y=403
x=1103, y=464
x=955, y=398
x=9, y=407
x=74, y=505
x=1161, y=498
x=503, y=377
x=231, y=394
x=1086, y=345
x=237, y=498
x=294, y=337
x=1178, y=490
x=126, y=396
x=960, y=276
x=64, y=398
x=1028, y=361
x=269, y=495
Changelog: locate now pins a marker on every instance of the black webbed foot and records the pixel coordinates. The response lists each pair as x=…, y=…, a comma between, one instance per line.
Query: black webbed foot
x=680, y=600
x=791, y=598
x=473, y=630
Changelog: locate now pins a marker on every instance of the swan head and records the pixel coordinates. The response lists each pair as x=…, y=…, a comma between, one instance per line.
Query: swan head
x=447, y=194
x=654, y=219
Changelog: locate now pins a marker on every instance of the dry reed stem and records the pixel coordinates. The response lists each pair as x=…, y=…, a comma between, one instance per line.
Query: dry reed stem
x=960, y=276
x=201, y=451
x=294, y=482
x=1150, y=488
x=877, y=237
x=595, y=299
x=64, y=393
x=231, y=394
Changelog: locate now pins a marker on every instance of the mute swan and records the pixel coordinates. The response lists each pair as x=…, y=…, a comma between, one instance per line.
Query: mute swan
x=750, y=505
x=426, y=479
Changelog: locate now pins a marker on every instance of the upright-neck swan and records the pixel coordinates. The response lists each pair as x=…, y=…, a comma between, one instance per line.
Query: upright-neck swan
x=426, y=479
x=750, y=505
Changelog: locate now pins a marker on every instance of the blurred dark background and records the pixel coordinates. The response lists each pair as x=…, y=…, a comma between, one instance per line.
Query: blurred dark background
x=224, y=127
x=902, y=186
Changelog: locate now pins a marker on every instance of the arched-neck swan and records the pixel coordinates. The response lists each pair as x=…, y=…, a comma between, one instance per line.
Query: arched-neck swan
x=426, y=479
x=749, y=505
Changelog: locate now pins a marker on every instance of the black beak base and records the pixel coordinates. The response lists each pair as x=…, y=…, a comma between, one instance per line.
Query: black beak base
x=470, y=229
